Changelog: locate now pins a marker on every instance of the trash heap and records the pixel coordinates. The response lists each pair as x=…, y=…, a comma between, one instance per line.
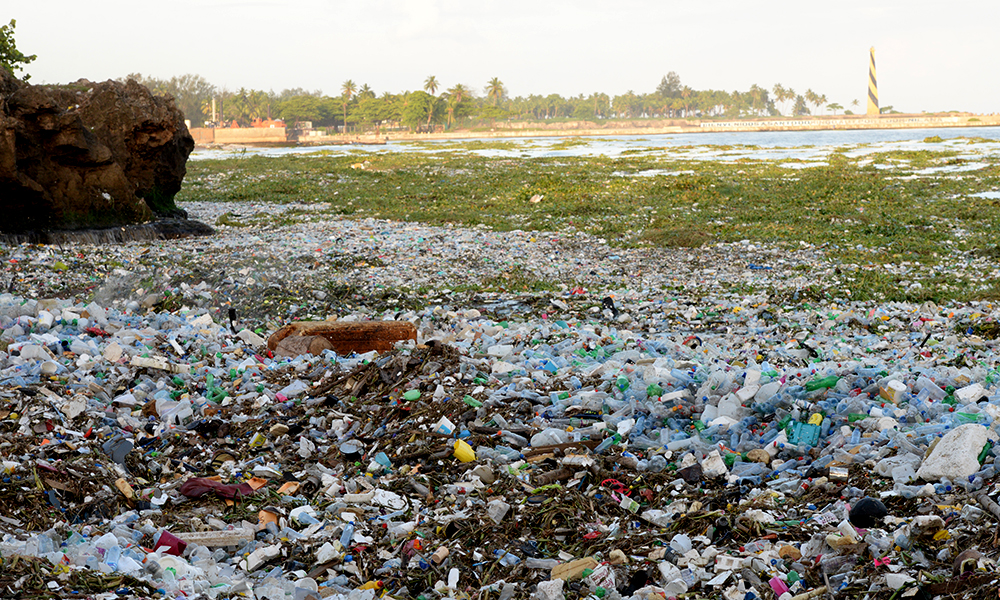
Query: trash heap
x=587, y=446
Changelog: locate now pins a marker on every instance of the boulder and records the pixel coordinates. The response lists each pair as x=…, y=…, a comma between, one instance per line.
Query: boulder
x=956, y=455
x=88, y=155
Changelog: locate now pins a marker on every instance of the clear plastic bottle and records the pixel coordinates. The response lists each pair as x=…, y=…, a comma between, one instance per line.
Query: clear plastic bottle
x=112, y=555
x=607, y=443
x=347, y=535
x=541, y=563
x=508, y=591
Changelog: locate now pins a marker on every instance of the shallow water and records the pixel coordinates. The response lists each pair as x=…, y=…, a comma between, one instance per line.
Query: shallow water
x=726, y=147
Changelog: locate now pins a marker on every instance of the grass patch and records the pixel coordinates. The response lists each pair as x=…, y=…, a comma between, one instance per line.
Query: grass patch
x=875, y=211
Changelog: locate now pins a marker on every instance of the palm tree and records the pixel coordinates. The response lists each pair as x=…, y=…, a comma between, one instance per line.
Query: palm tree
x=241, y=107
x=779, y=92
x=789, y=96
x=686, y=99
x=431, y=85
x=783, y=94
x=459, y=92
x=495, y=90
x=813, y=98
x=800, y=107
x=347, y=89
x=366, y=92
x=758, y=98
x=264, y=102
x=455, y=96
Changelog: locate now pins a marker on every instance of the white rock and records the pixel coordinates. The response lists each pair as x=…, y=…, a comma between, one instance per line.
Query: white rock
x=897, y=580
x=389, y=499
x=956, y=455
x=759, y=516
x=202, y=321
x=325, y=553
x=112, y=352
x=76, y=406
x=261, y=556
x=714, y=465
x=550, y=590
x=251, y=338
x=970, y=393
x=500, y=367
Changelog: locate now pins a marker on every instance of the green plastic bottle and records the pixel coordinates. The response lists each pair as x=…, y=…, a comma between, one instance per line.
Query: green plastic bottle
x=622, y=382
x=825, y=382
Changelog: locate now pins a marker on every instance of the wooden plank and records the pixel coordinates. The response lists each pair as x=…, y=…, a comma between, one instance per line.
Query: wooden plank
x=347, y=337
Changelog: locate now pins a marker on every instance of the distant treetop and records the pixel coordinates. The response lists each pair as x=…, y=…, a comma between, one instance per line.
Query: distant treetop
x=10, y=57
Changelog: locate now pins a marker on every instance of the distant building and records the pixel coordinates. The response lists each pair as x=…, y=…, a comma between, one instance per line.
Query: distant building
x=268, y=123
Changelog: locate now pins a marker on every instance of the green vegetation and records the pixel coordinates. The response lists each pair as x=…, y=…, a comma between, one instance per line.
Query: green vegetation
x=434, y=108
x=11, y=58
x=888, y=229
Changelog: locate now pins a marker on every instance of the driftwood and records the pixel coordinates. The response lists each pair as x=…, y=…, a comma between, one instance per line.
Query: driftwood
x=346, y=337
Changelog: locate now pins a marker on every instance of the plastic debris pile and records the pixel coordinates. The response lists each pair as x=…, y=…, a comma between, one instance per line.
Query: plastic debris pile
x=574, y=444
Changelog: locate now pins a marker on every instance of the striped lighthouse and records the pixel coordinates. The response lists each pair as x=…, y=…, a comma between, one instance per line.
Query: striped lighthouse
x=872, y=86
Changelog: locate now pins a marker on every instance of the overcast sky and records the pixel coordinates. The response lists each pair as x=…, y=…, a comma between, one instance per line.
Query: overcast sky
x=929, y=57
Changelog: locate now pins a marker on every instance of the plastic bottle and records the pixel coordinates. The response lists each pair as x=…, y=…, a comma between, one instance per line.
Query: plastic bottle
x=912, y=491
x=508, y=591
x=541, y=563
x=112, y=555
x=825, y=382
x=514, y=440
x=656, y=463
x=972, y=484
x=347, y=535
x=607, y=443
x=506, y=558
x=638, y=428
x=681, y=444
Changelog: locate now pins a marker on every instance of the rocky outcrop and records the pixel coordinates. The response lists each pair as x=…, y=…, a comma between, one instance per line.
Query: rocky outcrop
x=88, y=155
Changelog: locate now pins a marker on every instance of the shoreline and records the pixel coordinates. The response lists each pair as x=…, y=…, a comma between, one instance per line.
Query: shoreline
x=508, y=131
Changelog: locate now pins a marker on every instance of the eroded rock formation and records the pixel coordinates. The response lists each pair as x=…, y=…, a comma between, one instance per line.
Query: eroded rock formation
x=88, y=155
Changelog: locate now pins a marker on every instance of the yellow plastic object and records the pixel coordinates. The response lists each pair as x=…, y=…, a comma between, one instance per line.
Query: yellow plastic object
x=464, y=452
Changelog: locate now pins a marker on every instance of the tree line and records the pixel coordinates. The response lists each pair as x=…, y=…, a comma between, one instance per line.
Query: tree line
x=360, y=108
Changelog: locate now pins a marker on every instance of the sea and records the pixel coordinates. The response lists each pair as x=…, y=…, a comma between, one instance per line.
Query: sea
x=799, y=146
